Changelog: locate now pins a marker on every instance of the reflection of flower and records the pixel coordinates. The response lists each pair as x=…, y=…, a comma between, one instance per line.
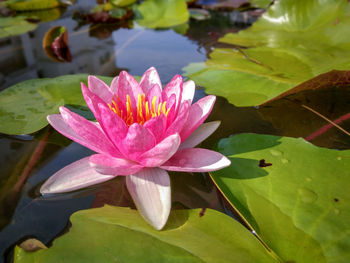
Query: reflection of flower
x=141, y=131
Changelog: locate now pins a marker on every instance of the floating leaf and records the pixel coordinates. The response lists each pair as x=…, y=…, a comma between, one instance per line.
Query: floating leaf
x=122, y=2
x=199, y=14
x=44, y=15
x=260, y=3
x=123, y=236
x=162, y=13
x=334, y=78
x=12, y=26
x=118, y=13
x=291, y=43
x=27, y=5
x=294, y=195
x=55, y=44
x=24, y=106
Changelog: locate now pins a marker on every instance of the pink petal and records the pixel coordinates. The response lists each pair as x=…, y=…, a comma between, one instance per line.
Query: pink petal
x=157, y=126
x=149, y=79
x=196, y=160
x=92, y=100
x=105, y=164
x=171, y=106
x=89, y=131
x=72, y=177
x=113, y=86
x=100, y=88
x=173, y=87
x=177, y=125
x=198, y=114
x=200, y=134
x=150, y=190
x=137, y=141
x=155, y=91
x=188, y=90
x=62, y=127
x=114, y=126
x=127, y=85
x=161, y=152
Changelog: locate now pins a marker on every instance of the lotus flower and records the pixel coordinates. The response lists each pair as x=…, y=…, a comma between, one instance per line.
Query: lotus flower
x=142, y=131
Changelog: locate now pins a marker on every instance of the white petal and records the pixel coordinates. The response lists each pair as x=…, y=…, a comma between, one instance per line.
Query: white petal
x=150, y=190
x=72, y=177
x=188, y=90
x=200, y=134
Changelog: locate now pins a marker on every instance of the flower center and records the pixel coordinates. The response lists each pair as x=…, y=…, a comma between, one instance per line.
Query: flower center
x=143, y=112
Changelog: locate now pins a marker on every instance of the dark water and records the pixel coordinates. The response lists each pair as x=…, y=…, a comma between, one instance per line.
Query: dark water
x=27, y=161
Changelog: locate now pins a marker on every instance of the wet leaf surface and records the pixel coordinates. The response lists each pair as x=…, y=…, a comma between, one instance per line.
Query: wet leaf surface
x=122, y=235
x=12, y=26
x=162, y=13
x=299, y=203
x=24, y=106
x=291, y=43
x=29, y=5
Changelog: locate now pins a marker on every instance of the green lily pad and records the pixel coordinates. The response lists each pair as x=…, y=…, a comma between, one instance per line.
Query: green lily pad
x=122, y=2
x=24, y=106
x=291, y=43
x=27, y=5
x=260, y=3
x=116, y=234
x=44, y=15
x=293, y=194
x=12, y=26
x=162, y=13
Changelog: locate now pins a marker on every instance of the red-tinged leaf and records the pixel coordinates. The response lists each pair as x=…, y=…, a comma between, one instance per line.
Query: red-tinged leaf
x=334, y=78
x=55, y=44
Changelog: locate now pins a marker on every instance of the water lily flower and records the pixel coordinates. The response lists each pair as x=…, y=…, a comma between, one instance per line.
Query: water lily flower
x=142, y=131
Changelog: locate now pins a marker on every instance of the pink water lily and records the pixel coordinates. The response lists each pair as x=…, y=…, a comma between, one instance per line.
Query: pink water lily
x=142, y=131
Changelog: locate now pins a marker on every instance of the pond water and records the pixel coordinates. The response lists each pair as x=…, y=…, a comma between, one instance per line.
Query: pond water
x=26, y=161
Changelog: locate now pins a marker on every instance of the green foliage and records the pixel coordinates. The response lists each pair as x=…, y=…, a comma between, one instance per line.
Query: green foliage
x=294, y=195
x=162, y=13
x=122, y=2
x=12, y=26
x=24, y=106
x=119, y=234
x=28, y=5
x=291, y=43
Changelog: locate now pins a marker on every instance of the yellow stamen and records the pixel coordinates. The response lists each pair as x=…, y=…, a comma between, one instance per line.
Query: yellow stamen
x=167, y=112
x=159, y=108
x=153, y=109
x=147, y=111
x=144, y=111
x=164, y=108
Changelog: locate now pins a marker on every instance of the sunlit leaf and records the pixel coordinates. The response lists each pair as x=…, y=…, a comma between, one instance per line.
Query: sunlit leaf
x=119, y=234
x=292, y=42
x=162, y=13
x=11, y=26
x=294, y=195
x=24, y=106
x=334, y=78
x=44, y=15
x=260, y=3
x=122, y=2
x=26, y=5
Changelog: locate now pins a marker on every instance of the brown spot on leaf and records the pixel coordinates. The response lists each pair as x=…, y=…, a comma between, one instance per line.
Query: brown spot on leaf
x=262, y=163
x=336, y=200
x=202, y=212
